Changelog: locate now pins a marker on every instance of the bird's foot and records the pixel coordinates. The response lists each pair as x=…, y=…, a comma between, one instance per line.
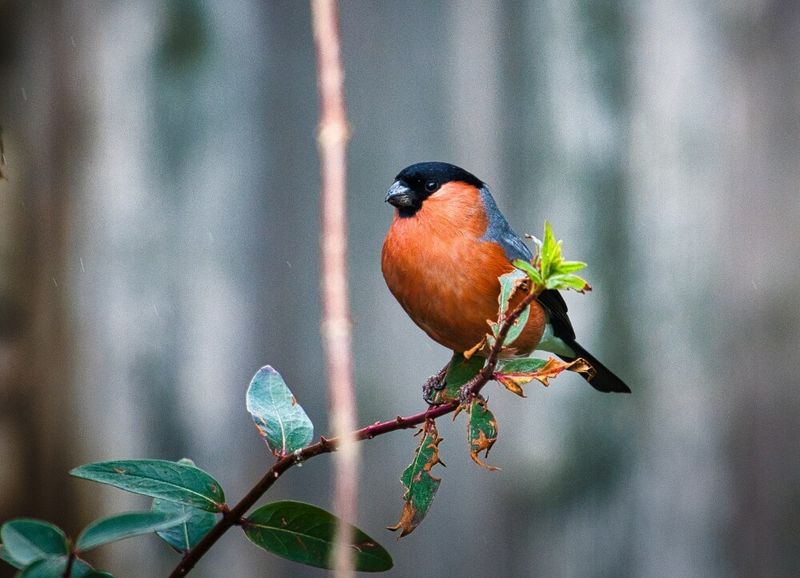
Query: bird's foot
x=432, y=386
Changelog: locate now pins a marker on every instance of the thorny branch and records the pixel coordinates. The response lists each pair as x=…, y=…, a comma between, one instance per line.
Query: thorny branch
x=235, y=515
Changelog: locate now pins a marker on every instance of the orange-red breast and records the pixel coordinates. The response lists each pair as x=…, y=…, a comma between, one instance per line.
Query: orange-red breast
x=446, y=247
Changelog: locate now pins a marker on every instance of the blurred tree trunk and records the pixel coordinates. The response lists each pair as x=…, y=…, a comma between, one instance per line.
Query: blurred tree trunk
x=761, y=286
x=39, y=116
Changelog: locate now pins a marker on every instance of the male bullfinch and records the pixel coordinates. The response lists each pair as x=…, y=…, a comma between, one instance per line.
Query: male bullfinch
x=446, y=247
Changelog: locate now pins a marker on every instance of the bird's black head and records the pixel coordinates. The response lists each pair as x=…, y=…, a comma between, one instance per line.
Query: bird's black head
x=416, y=183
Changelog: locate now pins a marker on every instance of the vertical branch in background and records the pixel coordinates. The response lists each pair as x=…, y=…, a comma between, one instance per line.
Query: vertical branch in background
x=336, y=328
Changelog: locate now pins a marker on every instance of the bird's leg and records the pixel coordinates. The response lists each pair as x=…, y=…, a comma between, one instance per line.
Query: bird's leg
x=433, y=385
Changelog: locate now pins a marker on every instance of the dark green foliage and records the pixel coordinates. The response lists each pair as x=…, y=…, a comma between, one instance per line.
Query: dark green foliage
x=173, y=481
x=305, y=534
x=26, y=540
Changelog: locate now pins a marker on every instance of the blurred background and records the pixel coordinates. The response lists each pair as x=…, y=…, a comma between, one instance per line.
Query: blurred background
x=159, y=243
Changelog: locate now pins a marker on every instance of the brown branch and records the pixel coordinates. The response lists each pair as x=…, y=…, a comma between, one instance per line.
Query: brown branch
x=70, y=563
x=336, y=327
x=235, y=515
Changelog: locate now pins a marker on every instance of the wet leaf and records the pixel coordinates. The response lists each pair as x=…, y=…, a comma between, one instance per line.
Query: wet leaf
x=173, y=481
x=280, y=420
x=127, y=525
x=514, y=373
x=460, y=371
x=188, y=533
x=26, y=540
x=481, y=432
x=420, y=485
x=305, y=533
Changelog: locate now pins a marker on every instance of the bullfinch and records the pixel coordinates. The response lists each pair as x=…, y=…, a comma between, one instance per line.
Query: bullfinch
x=446, y=247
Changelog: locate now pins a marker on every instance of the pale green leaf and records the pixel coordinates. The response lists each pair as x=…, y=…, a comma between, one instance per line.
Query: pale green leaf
x=280, y=420
x=127, y=525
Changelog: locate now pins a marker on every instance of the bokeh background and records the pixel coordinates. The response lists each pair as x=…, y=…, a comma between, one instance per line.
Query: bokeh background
x=158, y=244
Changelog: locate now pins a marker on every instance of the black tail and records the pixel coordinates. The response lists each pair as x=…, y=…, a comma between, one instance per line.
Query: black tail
x=603, y=380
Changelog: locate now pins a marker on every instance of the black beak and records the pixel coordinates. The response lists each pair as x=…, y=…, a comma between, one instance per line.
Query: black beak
x=400, y=195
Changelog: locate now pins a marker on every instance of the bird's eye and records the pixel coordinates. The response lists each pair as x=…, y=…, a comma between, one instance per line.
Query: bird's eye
x=431, y=185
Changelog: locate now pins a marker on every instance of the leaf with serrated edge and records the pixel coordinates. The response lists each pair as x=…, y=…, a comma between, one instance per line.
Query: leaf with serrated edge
x=187, y=534
x=481, y=432
x=171, y=481
x=515, y=373
x=26, y=540
x=305, y=533
x=127, y=525
x=420, y=485
x=280, y=420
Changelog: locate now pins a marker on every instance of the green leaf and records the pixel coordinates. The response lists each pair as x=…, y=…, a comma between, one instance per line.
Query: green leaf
x=420, y=486
x=127, y=525
x=171, y=481
x=550, y=251
x=549, y=270
x=514, y=373
x=54, y=567
x=570, y=266
x=184, y=536
x=533, y=273
x=520, y=365
x=304, y=533
x=568, y=281
x=280, y=420
x=459, y=372
x=509, y=283
x=481, y=431
x=26, y=540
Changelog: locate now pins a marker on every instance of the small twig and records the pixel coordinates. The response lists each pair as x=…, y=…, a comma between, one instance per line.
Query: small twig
x=234, y=516
x=70, y=563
